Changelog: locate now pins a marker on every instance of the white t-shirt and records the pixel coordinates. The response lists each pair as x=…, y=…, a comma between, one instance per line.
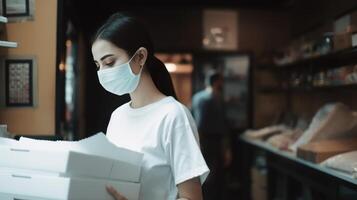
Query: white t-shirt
x=166, y=134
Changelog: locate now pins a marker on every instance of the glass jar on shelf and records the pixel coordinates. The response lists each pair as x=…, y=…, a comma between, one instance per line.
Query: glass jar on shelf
x=325, y=44
x=319, y=79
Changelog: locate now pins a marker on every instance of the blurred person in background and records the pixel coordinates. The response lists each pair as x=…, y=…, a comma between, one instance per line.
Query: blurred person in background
x=209, y=113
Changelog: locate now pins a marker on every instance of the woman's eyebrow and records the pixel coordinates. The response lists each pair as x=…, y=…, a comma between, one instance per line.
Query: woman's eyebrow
x=106, y=56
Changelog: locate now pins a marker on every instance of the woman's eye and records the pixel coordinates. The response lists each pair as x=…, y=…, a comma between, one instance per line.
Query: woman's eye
x=110, y=63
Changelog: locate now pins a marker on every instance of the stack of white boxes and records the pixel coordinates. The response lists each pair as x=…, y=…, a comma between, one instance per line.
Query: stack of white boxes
x=39, y=170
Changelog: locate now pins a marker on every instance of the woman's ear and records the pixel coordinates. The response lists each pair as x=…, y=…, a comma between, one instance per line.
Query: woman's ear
x=143, y=55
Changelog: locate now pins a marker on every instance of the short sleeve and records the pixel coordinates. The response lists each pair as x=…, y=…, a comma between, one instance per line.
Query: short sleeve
x=184, y=155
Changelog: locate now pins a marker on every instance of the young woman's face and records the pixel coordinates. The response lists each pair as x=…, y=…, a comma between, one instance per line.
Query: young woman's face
x=106, y=55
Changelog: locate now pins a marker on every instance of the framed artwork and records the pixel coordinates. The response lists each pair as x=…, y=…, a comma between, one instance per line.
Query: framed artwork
x=17, y=10
x=18, y=82
x=220, y=30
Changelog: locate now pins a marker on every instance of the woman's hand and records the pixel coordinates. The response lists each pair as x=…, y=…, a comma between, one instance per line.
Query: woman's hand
x=115, y=194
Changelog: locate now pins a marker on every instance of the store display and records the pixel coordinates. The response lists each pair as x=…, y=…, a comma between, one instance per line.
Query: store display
x=351, y=78
x=340, y=76
x=317, y=152
x=343, y=36
x=263, y=134
x=325, y=44
x=343, y=28
x=316, y=68
x=319, y=79
x=304, y=49
x=330, y=122
x=335, y=77
x=280, y=136
x=346, y=162
x=342, y=41
x=283, y=140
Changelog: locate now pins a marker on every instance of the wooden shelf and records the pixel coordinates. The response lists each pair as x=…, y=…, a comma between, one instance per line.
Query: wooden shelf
x=335, y=87
x=8, y=44
x=3, y=19
x=307, y=89
x=266, y=67
x=273, y=90
x=328, y=61
x=300, y=166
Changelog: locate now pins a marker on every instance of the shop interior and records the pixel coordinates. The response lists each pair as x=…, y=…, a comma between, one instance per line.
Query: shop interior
x=289, y=91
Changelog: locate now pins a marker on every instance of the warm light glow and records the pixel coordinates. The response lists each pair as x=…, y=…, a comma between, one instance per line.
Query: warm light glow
x=216, y=30
x=62, y=67
x=171, y=67
x=68, y=43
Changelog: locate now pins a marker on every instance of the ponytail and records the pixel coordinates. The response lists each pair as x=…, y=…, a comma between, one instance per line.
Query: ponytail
x=160, y=76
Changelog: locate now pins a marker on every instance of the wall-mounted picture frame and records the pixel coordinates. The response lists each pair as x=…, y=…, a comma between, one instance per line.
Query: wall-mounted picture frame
x=220, y=30
x=18, y=82
x=18, y=10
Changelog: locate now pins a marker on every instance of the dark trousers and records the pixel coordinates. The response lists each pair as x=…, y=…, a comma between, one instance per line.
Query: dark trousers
x=211, y=145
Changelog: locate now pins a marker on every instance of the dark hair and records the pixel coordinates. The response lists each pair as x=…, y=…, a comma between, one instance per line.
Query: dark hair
x=127, y=33
x=211, y=78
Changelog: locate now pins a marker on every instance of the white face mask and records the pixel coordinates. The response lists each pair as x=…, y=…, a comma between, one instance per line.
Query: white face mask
x=119, y=79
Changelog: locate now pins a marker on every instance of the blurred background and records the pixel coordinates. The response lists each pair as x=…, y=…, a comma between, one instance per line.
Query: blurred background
x=281, y=61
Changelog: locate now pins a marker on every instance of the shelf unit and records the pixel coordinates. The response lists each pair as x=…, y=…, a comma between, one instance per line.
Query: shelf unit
x=286, y=173
x=323, y=62
x=3, y=19
x=310, y=66
x=7, y=44
x=308, y=89
x=291, y=90
x=298, y=178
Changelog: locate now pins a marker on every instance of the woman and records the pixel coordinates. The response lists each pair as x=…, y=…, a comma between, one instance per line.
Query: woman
x=153, y=122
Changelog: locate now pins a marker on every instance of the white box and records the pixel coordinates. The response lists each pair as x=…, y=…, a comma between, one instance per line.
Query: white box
x=38, y=187
x=93, y=157
x=354, y=39
x=7, y=141
x=68, y=163
x=7, y=197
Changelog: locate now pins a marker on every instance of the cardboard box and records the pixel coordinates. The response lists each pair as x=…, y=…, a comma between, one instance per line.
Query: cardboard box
x=354, y=39
x=319, y=151
x=354, y=21
x=342, y=41
x=344, y=27
x=38, y=187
